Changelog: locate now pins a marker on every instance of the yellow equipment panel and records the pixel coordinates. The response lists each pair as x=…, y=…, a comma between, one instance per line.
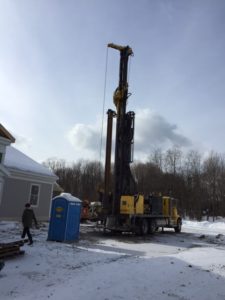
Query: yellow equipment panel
x=166, y=206
x=132, y=204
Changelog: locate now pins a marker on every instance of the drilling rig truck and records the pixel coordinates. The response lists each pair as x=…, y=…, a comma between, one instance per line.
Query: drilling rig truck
x=124, y=208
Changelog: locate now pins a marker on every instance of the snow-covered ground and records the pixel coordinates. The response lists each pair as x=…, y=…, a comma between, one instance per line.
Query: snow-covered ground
x=189, y=265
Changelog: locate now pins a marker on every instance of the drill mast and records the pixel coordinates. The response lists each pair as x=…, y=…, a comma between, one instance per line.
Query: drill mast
x=124, y=183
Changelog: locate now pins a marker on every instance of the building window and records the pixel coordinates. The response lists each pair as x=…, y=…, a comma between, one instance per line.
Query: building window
x=34, y=194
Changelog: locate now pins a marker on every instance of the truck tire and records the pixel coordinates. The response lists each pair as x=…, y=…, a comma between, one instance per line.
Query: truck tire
x=1, y=264
x=152, y=226
x=178, y=227
x=143, y=227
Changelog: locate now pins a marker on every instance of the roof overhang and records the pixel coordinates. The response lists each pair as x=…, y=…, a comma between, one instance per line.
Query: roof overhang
x=4, y=170
x=4, y=141
x=4, y=133
x=30, y=176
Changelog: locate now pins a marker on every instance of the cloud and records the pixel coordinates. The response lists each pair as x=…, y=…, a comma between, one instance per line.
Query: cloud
x=151, y=130
x=86, y=140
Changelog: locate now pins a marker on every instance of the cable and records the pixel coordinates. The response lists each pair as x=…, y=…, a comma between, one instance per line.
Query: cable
x=103, y=106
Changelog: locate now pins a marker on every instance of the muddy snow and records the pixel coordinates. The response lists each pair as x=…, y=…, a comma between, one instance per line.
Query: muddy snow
x=189, y=265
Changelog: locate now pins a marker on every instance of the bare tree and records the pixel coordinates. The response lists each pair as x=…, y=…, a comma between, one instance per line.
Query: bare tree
x=192, y=172
x=148, y=176
x=172, y=160
x=82, y=179
x=157, y=157
x=55, y=164
x=211, y=169
x=198, y=184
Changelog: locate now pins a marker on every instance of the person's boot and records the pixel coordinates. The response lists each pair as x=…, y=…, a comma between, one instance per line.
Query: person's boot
x=30, y=243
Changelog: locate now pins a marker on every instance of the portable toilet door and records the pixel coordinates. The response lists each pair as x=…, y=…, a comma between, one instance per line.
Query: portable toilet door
x=73, y=220
x=58, y=219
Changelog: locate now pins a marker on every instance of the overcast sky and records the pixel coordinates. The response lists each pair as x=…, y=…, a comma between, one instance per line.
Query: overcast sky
x=52, y=73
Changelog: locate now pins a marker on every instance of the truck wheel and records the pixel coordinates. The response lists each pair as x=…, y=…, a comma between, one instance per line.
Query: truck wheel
x=1, y=264
x=178, y=227
x=143, y=227
x=152, y=226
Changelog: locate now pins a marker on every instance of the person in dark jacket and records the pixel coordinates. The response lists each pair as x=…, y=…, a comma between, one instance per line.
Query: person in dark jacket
x=27, y=218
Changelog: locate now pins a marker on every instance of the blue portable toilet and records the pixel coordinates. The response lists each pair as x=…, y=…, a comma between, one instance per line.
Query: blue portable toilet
x=65, y=218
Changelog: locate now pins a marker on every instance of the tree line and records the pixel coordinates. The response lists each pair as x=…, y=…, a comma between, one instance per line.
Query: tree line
x=197, y=182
